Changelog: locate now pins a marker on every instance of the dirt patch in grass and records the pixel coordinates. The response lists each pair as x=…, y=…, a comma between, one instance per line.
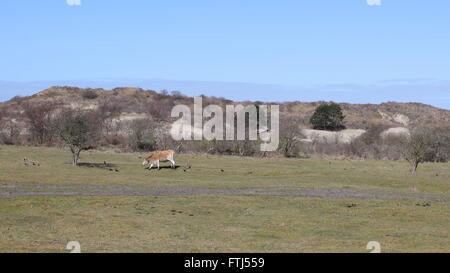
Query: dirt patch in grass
x=17, y=190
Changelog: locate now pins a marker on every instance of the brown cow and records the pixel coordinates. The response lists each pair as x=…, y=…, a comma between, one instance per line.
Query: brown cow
x=161, y=156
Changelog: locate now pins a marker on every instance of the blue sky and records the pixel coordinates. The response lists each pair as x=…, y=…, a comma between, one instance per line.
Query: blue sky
x=292, y=43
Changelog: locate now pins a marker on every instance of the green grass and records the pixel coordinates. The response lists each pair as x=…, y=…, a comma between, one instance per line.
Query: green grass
x=238, y=172
x=221, y=223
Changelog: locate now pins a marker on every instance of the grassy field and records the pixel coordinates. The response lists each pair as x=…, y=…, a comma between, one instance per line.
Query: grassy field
x=205, y=172
x=221, y=223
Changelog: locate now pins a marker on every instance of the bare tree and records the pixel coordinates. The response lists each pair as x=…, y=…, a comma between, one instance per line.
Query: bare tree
x=40, y=119
x=160, y=110
x=440, y=145
x=76, y=131
x=289, y=134
x=417, y=147
x=9, y=132
x=107, y=111
x=140, y=132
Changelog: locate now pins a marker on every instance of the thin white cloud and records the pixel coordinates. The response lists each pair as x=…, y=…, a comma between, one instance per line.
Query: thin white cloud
x=374, y=2
x=73, y=2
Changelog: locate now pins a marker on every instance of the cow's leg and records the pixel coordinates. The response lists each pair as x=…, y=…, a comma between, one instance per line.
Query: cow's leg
x=157, y=164
x=151, y=165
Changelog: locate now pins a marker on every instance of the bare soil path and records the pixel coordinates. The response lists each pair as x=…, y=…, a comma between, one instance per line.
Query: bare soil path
x=18, y=190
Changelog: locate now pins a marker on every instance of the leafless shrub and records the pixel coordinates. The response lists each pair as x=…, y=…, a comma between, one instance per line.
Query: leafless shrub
x=417, y=147
x=162, y=95
x=113, y=140
x=205, y=146
x=164, y=141
x=373, y=133
x=160, y=110
x=244, y=148
x=140, y=135
x=427, y=145
x=357, y=148
x=105, y=114
x=440, y=145
x=177, y=95
x=9, y=132
x=289, y=137
x=40, y=117
x=225, y=147
x=109, y=108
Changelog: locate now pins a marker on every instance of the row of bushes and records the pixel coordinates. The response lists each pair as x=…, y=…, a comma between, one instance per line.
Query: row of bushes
x=148, y=134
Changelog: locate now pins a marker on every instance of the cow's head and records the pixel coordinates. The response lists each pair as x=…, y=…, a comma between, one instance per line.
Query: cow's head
x=145, y=162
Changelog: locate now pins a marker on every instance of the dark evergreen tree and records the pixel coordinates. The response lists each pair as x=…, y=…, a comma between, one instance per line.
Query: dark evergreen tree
x=328, y=116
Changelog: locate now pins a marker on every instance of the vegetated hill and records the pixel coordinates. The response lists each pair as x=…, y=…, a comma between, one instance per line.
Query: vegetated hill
x=136, y=103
